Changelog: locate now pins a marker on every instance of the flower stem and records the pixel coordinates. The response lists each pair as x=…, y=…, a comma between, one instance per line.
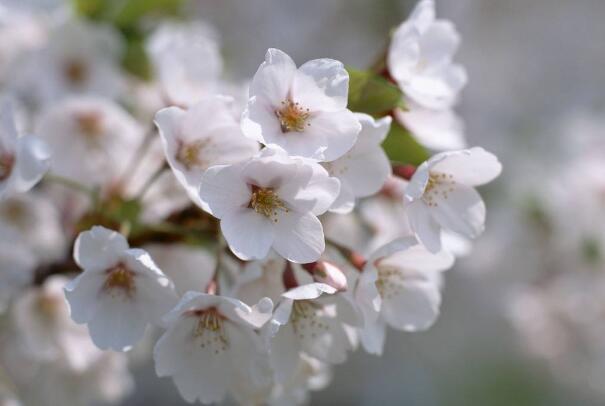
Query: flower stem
x=72, y=184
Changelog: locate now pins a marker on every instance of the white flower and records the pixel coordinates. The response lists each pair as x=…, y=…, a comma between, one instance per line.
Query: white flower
x=311, y=374
x=189, y=267
x=441, y=195
x=119, y=292
x=440, y=130
x=187, y=60
x=23, y=159
x=92, y=139
x=79, y=58
x=310, y=319
x=46, y=331
x=262, y=278
x=364, y=168
x=400, y=286
x=420, y=58
x=210, y=343
x=302, y=110
x=205, y=135
x=271, y=201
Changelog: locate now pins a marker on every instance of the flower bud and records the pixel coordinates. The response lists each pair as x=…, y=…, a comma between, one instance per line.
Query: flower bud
x=330, y=274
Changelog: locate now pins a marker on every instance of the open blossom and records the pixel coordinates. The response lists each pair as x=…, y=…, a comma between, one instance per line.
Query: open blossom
x=186, y=59
x=271, y=200
x=441, y=195
x=400, y=286
x=420, y=59
x=93, y=139
x=23, y=159
x=47, y=333
x=302, y=110
x=364, y=169
x=79, y=58
x=119, y=292
x=210, y=343
x=310, y=319
x=206, y=134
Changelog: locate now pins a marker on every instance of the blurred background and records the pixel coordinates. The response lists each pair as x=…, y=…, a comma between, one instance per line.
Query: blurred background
x=536, y=80
x=522, y=315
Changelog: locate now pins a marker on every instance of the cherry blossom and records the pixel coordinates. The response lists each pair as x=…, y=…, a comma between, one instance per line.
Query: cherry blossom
x=120, y=291
x=206, y=134
x=271, y=201
x=441, y=195
x=210, y=342
x=302, y=110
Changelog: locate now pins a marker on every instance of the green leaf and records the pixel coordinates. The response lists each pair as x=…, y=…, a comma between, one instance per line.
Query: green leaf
x=401, y=147
x=133, y=10
x=136, y=60
x=372, y=94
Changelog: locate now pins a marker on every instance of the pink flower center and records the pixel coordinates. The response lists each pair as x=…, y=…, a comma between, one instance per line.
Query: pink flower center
x=120, y=278
x=7, y=163
x=292, y=117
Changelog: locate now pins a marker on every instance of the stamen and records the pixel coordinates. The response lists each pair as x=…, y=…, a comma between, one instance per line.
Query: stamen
x=120, y=278
x=210, y=330
x=439, y=184
x=90, y=123
x=292, y=117
x=305, y=319
x=188, y=154
x=75, y=71
x=266, y=202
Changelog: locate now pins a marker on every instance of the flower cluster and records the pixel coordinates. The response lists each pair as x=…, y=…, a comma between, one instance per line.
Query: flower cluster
x=264, y=237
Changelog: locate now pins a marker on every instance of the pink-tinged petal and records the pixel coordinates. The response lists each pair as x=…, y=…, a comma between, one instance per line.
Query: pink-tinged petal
x=299, y=237
x=424, y=226
x=310, y=189
x=473, y=167
x=99, y=248
x=248, y=233
x=460, y=210
x=415, y=306
x=365, y=173
x=32, y=162
x=207, y=116
x=404, y=53
x=423, y=15
x=321, y=84
x=373, y=337
x=400, y=244
x=117, y=323
x=223, y=190
x=373, y=131
x=272, y=81
x=260, y=123
x=340, y=129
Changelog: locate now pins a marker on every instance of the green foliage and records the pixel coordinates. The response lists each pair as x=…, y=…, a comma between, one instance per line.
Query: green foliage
x=372, y=94
x=401, y=147
x=126, y=16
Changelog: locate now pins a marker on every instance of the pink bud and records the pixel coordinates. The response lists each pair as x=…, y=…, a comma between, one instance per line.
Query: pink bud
x=330, y=274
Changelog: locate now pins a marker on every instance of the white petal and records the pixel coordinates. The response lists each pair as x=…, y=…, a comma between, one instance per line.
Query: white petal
x=99, y=248
x=416, y=186
x=340, y=129
x=345, y=203
x=473, y=167
x=32, y=162
x=223, y=189
x=462, y=210
x=439, y=43
x=285, y=354
x=117, y=323
x=81, y=294
x=416, y=306
x=373, y=337
x=274, y=77
x=417, y=257
x=309, y=291
x=439, y=130
x=248, y=233
x=299, y=237
x=321, y=84
x=424, y=226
